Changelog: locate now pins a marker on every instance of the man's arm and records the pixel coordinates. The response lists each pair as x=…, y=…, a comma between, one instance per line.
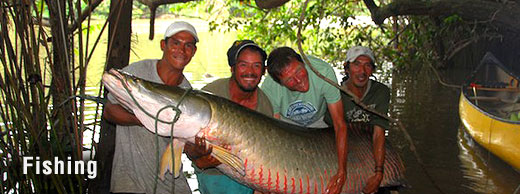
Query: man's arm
x=115, y=113
x=340, y=127
x=378, y=139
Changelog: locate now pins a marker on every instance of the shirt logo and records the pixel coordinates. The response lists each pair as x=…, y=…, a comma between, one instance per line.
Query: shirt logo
x=359, y=115
x=301, y=112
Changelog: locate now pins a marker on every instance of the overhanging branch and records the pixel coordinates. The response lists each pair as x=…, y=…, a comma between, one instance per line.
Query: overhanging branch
x=269, y=4
x=504, y=15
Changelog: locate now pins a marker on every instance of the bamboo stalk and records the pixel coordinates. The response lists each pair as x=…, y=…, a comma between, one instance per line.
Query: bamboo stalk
x=31, y=125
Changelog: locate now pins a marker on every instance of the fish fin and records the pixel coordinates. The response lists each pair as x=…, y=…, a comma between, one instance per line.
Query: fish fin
x=167, y=161
x=226, y=157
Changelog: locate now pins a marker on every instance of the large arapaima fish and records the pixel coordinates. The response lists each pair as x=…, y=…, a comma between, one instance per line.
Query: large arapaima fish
x=264, y=153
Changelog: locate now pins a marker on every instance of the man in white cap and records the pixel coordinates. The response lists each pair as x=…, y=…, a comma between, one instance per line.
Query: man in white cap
x=134, y=165
x=359, y=66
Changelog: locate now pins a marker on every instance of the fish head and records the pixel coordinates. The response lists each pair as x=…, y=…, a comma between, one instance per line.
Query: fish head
x=121, y=84
x=156, y=105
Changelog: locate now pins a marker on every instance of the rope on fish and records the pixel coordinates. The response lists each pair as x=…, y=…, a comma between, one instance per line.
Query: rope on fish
x=175, y=119
x=178, y=112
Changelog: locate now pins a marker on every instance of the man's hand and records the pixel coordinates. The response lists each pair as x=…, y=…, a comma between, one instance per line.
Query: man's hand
x=207, y=162
x=198, y=149
x=373, y=183
x=199, y=154
x=336, y=183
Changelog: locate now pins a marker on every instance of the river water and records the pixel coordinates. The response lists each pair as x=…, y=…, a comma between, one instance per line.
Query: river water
x=455, y=163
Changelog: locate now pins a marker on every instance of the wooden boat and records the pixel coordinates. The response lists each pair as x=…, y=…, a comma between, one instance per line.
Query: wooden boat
x=489, y=107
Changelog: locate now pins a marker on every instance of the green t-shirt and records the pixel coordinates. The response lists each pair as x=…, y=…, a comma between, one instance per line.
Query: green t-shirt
x=377, y=97
x=304, y=109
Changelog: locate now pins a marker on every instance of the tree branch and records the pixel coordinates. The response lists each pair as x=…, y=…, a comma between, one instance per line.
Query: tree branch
x=269, y=4
x=505, y=15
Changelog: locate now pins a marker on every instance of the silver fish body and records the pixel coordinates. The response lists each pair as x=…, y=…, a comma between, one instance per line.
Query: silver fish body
x=264, y=153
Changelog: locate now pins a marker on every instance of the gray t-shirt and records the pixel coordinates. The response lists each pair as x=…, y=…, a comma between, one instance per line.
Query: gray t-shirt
x=134, y=165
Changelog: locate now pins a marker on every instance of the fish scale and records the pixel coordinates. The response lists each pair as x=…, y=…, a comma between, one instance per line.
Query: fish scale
x=275, y=156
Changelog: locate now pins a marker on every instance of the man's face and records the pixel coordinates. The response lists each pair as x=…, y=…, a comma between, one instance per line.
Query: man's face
x=178, y=49
x=360, y=70
x=294, y=76
x=248, y=70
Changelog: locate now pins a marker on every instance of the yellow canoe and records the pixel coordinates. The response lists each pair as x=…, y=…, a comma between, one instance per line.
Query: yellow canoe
x=489, y=114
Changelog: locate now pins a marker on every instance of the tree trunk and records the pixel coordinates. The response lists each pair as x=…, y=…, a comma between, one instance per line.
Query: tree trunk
x=118, y=55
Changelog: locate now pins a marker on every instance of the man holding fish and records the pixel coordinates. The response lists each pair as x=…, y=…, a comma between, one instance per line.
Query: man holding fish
x=300, y=97
x=254, y=149
x=134, y=165
x=247, y=62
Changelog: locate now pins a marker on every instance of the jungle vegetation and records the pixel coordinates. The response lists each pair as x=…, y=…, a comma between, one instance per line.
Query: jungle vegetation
x=45, y=53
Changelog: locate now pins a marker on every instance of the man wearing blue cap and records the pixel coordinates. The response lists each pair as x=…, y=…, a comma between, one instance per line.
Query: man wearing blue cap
x=247, y=61
x=134, y=165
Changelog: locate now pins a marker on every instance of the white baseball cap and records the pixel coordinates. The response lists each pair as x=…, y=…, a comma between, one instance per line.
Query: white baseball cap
x=354, y=52
x=179, y=26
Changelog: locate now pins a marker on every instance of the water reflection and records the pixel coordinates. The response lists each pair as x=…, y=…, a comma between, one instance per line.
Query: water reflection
x=429, y=111
x=473, y=166
x=487, y=173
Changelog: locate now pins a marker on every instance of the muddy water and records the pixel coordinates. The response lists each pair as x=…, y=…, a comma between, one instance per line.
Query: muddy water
x=455, y=163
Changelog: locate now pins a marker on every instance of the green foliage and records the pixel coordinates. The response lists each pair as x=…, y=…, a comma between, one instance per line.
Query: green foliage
x=434, y=39
x=330, y=27
x=140, y=10
x=325, y=22
x=193, y=9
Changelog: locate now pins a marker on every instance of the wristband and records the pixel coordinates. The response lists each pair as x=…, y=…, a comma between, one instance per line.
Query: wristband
x=378, y=169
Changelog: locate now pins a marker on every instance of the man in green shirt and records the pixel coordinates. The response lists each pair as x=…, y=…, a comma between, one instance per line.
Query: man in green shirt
x=247, y=61
x=300, y=97
x=359, y=66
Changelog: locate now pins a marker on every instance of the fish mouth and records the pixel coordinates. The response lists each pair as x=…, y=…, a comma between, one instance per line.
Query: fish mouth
x=116, y=78
x=119, y=74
